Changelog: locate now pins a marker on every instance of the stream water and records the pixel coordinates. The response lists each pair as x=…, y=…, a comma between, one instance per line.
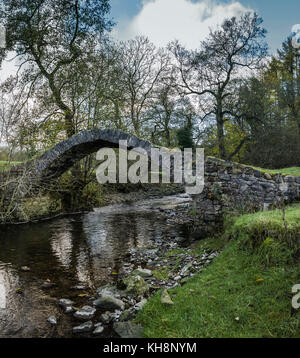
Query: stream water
x=87, y=249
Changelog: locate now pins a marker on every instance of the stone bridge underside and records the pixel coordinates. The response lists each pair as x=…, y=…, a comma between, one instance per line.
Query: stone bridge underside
x=226, y=184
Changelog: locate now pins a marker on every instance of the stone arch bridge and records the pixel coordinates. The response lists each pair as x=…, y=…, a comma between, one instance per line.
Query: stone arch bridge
x=226, y=184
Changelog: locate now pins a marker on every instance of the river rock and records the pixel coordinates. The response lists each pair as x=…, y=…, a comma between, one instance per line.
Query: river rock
x=84, y=327
x=140, y=305
x=165, y=298
x=267, y=176
x=79, y=288
x=99, y=329
x=64, y=302
x=186, y=269
x=85, y=313
x=109, y=290
x=109, y=303
x=136, y=286
x=47, y=284
x=128, y=315
x=142, y=272
x=52, y=320
x=106, y=318
x=69, y=309
x=128, y=329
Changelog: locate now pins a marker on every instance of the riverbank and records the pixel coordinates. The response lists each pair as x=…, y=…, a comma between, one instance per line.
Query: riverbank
x=50, y=205
x=236, y=284
x=74, y=257
x=244, y=292
x=168, y=263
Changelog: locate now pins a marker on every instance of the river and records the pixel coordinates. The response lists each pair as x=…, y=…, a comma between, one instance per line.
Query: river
x=89, y=249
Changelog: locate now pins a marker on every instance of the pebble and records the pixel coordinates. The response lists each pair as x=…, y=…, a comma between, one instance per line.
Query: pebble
x=84, y=327
x=98, y=330
x=69, y=309
x=106, y=317
x=47, y=284
x=85, y=313
x=52, y=320
x=64, y=302
x=79, y=288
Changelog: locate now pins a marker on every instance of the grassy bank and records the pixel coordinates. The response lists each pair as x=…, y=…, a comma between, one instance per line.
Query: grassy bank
x=295, y=171
x=245, y=291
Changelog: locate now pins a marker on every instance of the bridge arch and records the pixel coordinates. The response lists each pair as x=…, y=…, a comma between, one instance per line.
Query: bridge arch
x=65, y=154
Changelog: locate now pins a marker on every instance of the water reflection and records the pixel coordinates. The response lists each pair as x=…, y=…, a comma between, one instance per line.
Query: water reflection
x=10, y=302
x=61, y=244
x=87, y=249
x=3, y=280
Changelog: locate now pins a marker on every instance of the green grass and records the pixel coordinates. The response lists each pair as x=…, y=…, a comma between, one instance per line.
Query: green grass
x=5, y=165
x=295, y=171
x=245, y=292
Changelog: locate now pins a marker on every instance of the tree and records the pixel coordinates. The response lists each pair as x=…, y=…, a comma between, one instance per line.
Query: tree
x=143, y=66
x=210, y=73
x=52, y=37
x=272, y=137
x=285, y=70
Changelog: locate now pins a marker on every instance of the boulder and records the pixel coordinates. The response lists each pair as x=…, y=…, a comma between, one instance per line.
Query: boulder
x=142, y=272
x=165, y=298
x=136, y=286
x=109, y=303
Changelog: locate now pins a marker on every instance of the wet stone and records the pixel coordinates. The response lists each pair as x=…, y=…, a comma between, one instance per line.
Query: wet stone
x=79, y=288
x=52, y=320
x=64, y=302
x=98, y=330
x=69, y=309
x=84, y=327
x=109, y=303
x=48, y=285
x=85, y=313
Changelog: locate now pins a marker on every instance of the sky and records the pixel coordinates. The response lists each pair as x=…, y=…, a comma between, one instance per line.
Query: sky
x=189, y=20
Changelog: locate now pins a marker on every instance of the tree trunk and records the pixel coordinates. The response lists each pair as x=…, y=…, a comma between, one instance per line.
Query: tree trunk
x=220, y=130
x=69, y=126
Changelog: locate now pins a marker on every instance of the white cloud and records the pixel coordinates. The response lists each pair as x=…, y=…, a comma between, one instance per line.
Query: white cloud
x=166, y=20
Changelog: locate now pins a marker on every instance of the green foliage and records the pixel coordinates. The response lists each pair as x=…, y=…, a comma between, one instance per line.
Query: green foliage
x=185, y=137
x=76, y=194
x=5, y=165
x=37, y=208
